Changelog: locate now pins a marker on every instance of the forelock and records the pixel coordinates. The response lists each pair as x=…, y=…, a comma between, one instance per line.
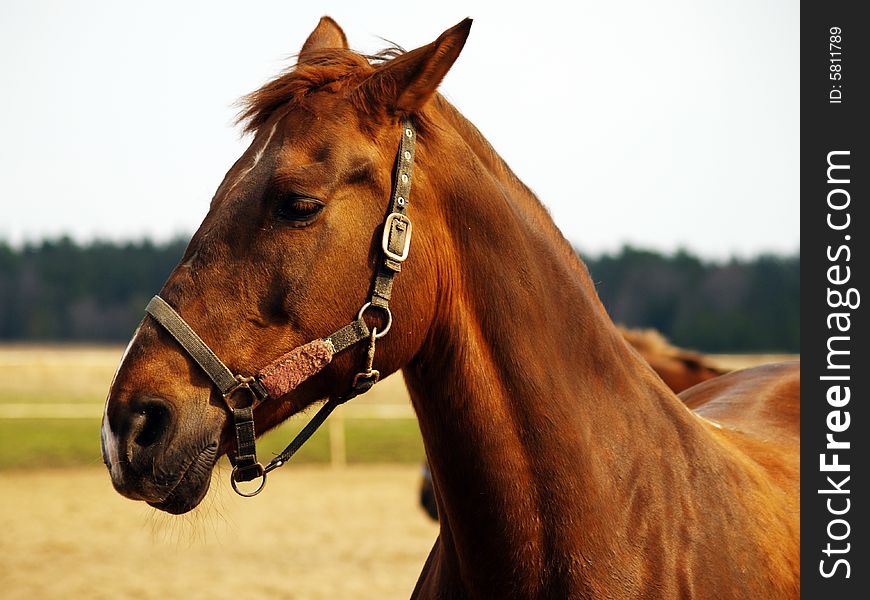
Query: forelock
x=335, y=70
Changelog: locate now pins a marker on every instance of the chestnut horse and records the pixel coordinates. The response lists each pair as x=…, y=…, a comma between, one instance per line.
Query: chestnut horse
x=565, y=467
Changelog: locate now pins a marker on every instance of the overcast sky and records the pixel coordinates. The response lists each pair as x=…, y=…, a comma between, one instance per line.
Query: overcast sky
x=661, y=124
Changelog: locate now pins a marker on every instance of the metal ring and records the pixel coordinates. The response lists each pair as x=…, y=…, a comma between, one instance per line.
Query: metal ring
x=235, y=484
x=386, y=310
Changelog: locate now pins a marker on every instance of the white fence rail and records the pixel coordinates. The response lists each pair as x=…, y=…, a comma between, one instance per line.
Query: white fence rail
x=337, y=444
x=89, y=411
x=51, y=411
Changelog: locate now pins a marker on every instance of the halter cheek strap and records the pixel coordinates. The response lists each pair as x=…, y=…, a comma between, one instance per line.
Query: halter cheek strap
x=285, y=373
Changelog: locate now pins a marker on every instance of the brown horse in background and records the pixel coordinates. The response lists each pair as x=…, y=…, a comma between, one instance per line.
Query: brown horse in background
x=565, y=467
x=679, y=368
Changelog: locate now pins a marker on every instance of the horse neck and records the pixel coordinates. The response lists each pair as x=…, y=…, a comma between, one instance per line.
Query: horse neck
x=538, y=420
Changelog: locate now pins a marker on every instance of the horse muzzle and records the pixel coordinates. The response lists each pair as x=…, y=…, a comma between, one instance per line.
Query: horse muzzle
x=136, y=442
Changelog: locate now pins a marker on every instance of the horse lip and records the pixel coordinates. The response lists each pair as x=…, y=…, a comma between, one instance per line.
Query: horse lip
x=176, y=503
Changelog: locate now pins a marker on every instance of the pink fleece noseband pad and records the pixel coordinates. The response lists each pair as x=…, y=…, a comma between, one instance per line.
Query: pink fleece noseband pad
x=288, y=371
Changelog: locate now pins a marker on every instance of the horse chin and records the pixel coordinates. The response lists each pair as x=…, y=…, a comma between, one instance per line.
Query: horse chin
x=192, y=486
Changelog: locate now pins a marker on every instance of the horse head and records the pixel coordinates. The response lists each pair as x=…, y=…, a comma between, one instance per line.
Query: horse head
x=285, y=255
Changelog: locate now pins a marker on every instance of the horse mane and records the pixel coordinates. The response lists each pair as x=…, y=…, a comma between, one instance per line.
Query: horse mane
x=332, y=69
x=533, y=208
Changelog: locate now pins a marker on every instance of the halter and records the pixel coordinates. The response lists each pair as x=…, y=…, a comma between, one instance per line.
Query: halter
x=288, y=371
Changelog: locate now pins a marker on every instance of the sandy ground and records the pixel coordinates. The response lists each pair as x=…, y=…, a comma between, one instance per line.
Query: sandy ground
x=314, y=532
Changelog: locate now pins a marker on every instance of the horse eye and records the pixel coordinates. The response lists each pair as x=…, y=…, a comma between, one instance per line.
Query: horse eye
x=298, y=210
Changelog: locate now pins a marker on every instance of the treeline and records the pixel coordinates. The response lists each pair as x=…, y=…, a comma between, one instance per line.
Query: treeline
x=58, y=290
x=734, y=306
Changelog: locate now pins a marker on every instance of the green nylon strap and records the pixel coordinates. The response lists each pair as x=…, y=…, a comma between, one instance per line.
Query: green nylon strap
x=398, y=229
x=216, y=370
x=247, y=467
x=198, y=350
x=348, y=335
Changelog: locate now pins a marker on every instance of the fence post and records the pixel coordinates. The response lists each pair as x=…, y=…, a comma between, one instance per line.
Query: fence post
x=337, y=446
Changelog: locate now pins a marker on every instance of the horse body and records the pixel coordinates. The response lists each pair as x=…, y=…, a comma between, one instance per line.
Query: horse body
x=632, y=494
x=564, y=466
x=679, y=369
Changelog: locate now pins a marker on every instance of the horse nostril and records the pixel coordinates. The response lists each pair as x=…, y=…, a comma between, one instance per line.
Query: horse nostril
x=153, y=422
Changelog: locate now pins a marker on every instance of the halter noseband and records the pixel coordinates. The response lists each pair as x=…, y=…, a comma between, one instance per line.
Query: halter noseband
x=287, y=372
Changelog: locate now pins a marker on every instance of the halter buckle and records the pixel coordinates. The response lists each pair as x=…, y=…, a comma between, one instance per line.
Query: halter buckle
x=399, y=225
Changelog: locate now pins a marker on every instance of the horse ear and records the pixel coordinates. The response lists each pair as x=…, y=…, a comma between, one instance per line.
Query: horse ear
x=405, y=84
x=327, y=34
